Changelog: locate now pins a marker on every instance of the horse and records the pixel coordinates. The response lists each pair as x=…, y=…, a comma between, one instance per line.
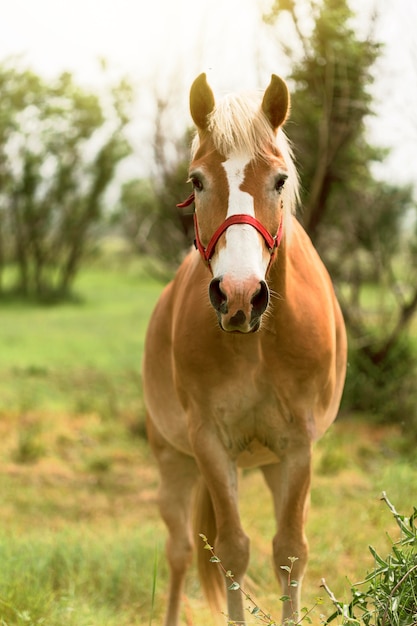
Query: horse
x=245, y=353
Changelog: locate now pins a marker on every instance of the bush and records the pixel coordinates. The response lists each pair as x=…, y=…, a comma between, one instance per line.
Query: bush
x=385, y=389
x=388, y=595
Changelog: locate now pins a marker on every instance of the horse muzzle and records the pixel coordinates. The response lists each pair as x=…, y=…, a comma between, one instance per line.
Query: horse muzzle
x=239, y=305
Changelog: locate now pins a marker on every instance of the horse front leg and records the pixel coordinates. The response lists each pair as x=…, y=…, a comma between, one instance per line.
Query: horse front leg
x=289, y=482
x=231, y=543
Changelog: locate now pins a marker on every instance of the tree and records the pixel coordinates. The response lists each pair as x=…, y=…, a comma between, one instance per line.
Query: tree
x=330, y=103
x=59, y=149
x=147, y=209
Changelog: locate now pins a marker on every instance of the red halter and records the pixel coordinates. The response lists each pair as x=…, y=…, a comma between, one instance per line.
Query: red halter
x=241, y=218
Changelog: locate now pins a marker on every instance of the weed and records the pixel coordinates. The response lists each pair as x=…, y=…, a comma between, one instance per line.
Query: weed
x=389, y=597
x=254, y=609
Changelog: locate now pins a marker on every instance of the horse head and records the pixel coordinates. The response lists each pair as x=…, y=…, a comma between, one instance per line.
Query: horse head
x=239, y=170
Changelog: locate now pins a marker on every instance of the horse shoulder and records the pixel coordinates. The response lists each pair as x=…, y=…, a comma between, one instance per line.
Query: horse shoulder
x=309, y=288
x=315, y=335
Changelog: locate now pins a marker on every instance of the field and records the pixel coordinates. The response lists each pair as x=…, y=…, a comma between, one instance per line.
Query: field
x=81, y=543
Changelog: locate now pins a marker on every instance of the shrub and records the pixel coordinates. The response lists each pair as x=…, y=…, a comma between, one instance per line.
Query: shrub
x=388, y=595
x=385, y=389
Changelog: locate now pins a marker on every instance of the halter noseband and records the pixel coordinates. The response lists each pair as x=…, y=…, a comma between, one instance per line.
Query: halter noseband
x=240, y=218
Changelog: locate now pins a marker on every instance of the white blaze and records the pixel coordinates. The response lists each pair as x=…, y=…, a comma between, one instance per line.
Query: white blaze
x=242, y=256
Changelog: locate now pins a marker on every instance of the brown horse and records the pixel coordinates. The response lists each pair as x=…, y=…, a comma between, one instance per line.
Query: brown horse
x=245, y=354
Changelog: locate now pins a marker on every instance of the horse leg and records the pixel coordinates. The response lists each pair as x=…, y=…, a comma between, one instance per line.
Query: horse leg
x=178, y=476
x=231, y=544
x=289, y=482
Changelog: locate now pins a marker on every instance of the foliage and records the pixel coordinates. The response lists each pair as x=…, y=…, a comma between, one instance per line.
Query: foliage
x=147, y=209
x=330, y=101
x=384, y=388
x=388, y=595
x=376, y=273
x=59, y=148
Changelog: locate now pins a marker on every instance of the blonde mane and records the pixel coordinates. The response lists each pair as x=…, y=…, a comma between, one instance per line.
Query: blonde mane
x=237, y=124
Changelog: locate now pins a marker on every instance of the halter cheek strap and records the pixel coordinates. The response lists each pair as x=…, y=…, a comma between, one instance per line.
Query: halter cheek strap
x=240, y=218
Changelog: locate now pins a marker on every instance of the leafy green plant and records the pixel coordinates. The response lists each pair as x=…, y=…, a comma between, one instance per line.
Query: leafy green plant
x=254, y=609
x=382, y=385
x=388, y=595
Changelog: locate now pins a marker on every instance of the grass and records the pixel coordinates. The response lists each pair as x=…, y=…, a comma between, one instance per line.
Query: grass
x=80, y=540
x=80, y=535
x=71, y=578
x=88, y=350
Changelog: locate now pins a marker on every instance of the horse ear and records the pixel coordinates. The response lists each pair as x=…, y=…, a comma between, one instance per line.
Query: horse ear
x=276, y=102
x=201, y=102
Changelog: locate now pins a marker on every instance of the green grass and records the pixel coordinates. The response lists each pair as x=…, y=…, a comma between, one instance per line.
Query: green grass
x=70, y=577
x=80, y=534
x=77, y=537
x=85, y=354
x=83, y=544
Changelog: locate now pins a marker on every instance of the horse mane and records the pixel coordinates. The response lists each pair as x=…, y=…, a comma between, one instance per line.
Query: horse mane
x=237, y=124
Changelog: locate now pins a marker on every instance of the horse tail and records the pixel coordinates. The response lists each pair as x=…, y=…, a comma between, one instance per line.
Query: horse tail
x=211, y=577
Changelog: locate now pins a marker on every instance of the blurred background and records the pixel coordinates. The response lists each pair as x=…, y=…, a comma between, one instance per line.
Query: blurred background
x=94, y=144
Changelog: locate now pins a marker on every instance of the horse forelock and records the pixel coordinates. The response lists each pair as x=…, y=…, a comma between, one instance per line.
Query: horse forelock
x=237, y=125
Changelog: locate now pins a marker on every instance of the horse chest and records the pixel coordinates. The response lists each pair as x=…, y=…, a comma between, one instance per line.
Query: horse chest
x=243, y=399
x=248, y=419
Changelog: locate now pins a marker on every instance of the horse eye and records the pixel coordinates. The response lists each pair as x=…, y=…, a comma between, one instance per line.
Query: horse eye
x=197, y=183
x=280, y=181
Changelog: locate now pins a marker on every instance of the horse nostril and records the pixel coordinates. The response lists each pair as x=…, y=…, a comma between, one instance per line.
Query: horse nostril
x=260, y=299
x=217, y=297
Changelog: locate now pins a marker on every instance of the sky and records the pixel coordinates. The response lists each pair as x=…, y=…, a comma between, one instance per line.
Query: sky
x=163, y=44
